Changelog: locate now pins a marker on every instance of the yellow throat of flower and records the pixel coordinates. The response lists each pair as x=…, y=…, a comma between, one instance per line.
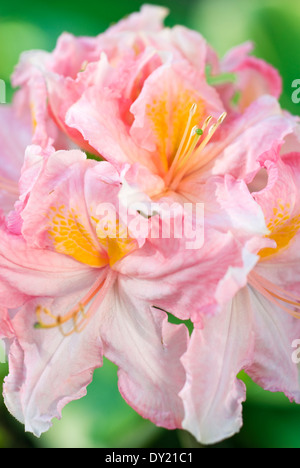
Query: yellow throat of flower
x=97, y=247
x=283, y=227
x=101, y=246
x=193, y=141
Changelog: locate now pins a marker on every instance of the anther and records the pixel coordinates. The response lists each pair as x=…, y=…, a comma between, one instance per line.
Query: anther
x=187, y=161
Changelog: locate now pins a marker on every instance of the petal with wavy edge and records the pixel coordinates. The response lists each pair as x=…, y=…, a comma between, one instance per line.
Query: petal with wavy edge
x=163, y=107
x=274, y=330
x=43, y=378
x=244, y=139
x=147, y=350
x=150, y=18
x=255, y=77
x=212, y=395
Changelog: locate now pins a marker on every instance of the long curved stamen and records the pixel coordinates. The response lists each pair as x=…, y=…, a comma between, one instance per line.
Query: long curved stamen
x=182, y=146
x=276, y=295
x=211, y=132
x=78, y=316
x=187, y=159
x=9, y=186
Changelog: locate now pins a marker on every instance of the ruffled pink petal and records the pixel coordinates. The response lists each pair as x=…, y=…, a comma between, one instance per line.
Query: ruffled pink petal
x=212, y=395
x=274, y=330
x=64, y=91
x=162, y=109
x=149, y=19
x=71, y=53
x=32, y=98
x=196, y=281
x=26, y=272
x=281, y=188
x=44, y=196
x=43, y=378
x=228, y=204
x=15, y=136
x=236, y=56
x=190, y=44
x=244, y=139
x=97, y=117
x=187, y=283
x=255, y=77
x=280, y=202
x=147, y=350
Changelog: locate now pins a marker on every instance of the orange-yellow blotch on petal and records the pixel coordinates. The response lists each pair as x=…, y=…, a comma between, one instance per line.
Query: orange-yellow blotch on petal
x=283, y=227
x=70, y=237
x=116, y=241
x=169, y=116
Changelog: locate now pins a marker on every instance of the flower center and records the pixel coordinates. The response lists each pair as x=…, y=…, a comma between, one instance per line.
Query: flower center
x=191, y=145
x=94, y=241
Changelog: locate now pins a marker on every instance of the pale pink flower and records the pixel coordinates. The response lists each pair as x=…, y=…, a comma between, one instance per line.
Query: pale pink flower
x=73, y=294
x=121, y=69
x=71, y=288
x=51, y=82
x=255, y=331
x=139, y=97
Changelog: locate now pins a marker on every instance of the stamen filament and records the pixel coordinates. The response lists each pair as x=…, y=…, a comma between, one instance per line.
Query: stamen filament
x=77, y=314
x=179, y=151
x=276, y=294
x=188, y=160
x=9, y=186
x=196, y=136
x=213, y=130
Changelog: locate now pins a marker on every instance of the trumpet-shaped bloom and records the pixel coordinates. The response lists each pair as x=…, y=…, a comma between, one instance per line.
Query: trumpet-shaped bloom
x=255, y=331
x=68, y=300
x=80, y=277
x=140, y=91
x=78, y=285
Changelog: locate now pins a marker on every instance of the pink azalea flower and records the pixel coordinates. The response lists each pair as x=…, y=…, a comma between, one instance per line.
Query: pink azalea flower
x=124, y=63
x=50, y=83
x=256, y=329
x=73, y=294
x=61, y=285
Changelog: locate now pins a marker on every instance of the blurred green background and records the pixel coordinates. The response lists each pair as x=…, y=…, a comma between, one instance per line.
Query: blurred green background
x=102, y=418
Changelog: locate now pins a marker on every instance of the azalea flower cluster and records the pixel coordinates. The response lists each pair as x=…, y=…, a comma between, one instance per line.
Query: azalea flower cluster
x=104, y=137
